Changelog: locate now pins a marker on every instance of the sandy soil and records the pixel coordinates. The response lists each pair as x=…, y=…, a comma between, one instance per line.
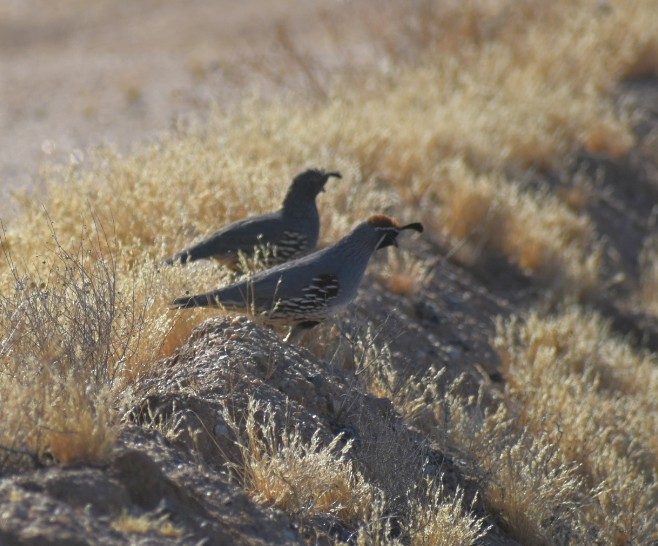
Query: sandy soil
x=75, y=74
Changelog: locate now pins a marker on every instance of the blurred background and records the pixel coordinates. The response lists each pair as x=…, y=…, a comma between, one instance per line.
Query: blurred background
x=79, y=73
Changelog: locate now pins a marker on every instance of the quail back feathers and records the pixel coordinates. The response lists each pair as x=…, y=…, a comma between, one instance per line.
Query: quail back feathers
x=290, y=232
x=305, y=291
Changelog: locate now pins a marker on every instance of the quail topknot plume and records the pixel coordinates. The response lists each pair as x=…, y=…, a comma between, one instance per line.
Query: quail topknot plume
x=290, y=232
x=303, y=292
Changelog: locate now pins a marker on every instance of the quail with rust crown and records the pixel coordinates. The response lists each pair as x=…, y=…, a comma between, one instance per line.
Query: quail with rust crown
x=304, y=292
x=289, y=232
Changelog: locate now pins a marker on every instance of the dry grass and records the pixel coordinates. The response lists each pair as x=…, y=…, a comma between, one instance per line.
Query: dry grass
x=310, y=480
x=70, y=331
x=595, y=398
x=469, y=98
x=404, y=274
x=425, y=513
x=146, y=524
x=432, y=518
x=531, y=491
x=532, y=228
x=526, y=81
x=303, y=478
x=568, y=453
x=440, y=521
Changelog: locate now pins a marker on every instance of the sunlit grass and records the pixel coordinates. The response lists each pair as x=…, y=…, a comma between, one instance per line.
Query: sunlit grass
x=469, y=104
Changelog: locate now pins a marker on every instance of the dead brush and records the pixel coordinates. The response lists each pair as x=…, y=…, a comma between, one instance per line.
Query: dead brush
x=305, y=479
x=377, y=528
x=431, y=517
x=68, y=333
x=437, y=519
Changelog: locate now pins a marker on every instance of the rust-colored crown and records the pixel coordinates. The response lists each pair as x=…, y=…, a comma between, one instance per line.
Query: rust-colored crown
x=383, y=221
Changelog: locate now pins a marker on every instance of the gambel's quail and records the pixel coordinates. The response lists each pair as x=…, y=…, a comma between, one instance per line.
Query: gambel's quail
x=289, y=232
x=305, y=291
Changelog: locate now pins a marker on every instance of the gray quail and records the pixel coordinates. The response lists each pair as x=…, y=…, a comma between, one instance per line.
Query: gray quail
x=290, y=232
x=304, y=292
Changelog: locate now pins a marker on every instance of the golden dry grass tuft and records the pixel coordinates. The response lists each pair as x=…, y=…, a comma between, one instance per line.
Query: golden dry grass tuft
x=432, y=518
x=404, y=274
x=304, y=478
x=441, y=521
x=146, y=523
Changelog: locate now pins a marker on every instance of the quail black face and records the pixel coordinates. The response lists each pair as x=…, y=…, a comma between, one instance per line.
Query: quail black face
x=389, y=229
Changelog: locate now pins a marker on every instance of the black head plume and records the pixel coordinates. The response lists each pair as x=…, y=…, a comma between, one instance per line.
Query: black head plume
x=389, y=229
x=416, y=226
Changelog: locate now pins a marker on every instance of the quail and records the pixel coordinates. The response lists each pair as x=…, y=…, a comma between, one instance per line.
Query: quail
x=303, y=292
x=290, y=232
